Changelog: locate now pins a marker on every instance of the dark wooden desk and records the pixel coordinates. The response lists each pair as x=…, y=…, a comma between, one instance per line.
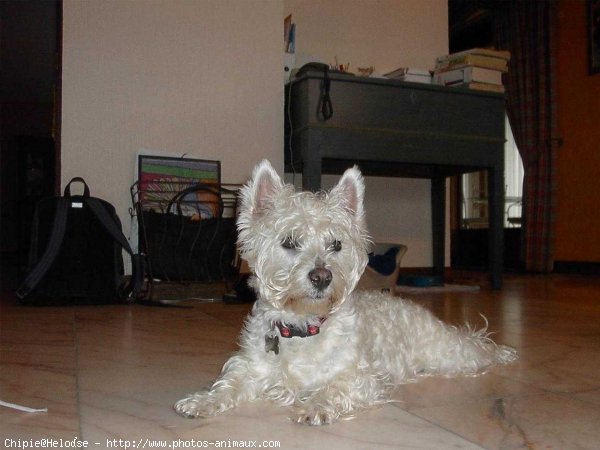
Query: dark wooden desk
x=393, y=128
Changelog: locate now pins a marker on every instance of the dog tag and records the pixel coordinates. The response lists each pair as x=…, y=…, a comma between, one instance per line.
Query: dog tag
x=272, y=342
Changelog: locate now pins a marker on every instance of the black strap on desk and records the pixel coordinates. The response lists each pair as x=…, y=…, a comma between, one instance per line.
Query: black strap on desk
x=325, y=109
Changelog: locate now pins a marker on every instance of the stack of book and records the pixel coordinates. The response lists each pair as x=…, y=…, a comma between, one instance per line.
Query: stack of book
x=477, y=68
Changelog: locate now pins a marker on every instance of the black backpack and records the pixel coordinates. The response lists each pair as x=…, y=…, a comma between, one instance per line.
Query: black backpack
x=75, y=256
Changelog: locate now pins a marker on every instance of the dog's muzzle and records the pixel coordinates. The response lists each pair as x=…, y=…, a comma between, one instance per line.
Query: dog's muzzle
x=320, y=278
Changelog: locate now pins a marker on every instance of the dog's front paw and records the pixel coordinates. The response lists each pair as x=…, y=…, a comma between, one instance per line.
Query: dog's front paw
x=314, y=415
x=201, y=404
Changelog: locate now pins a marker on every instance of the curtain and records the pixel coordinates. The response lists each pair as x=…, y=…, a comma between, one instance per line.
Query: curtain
x=527, y=30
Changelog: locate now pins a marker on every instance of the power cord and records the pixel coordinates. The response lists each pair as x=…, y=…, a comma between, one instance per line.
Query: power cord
x=291, y=129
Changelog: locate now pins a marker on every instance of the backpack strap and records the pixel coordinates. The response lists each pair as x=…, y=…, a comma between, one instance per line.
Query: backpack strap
x=137, y=260
x=56, y=237
x=86, y=189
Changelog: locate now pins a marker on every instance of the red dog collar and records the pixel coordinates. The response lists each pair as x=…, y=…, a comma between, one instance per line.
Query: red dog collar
x=289, y=331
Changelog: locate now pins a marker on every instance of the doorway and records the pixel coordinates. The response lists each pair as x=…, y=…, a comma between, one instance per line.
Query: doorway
x=470, y=207
x=30, y=116
x=470, y=25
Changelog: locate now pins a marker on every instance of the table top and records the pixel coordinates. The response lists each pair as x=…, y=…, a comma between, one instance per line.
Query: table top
x=376, y=81
x=395, y=128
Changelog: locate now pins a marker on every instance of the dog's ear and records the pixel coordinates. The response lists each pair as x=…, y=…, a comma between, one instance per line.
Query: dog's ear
x=351, y=190
x=265, y=183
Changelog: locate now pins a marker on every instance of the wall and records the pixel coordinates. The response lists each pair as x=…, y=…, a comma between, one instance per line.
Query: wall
x=195, y=77
x=578, y=164
x=385, y=34
x=204, y=78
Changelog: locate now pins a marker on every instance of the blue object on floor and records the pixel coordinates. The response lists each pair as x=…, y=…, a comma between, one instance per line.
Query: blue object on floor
x=384, y=264
x=420, y=280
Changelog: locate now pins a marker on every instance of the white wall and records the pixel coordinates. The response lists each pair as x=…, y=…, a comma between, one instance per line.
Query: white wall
x=203, y=77
x=385, y=34
x=185, y=76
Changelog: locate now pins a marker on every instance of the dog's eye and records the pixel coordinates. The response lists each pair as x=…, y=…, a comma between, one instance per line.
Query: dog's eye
x=335, y=246
x=290, y=243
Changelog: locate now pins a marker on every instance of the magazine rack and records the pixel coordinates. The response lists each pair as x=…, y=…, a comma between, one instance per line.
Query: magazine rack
x=187, y=231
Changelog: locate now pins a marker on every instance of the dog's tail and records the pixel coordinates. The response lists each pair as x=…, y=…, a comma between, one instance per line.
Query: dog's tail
x=472, y=351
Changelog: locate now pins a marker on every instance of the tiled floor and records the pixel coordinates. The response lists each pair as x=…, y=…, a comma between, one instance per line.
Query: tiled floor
x=113, y=372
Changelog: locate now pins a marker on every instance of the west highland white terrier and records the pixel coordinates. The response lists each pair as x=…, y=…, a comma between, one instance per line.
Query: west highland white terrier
x=311, y=341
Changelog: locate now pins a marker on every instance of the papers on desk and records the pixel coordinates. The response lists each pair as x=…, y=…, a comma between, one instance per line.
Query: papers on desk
x=410, y=74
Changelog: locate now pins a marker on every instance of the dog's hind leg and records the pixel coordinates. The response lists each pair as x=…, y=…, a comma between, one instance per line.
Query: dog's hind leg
x=230, y=389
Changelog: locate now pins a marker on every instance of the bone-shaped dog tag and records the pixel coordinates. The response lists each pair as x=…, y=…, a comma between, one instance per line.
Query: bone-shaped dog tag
x=272, y=342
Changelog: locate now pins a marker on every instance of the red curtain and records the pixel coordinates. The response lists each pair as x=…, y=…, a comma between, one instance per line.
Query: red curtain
x=527, y=29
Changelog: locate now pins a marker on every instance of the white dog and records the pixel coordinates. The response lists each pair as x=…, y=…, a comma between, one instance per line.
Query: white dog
x=311, y=342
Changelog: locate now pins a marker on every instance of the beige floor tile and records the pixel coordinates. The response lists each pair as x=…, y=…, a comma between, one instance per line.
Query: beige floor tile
x=549, y=421
x=114, y=372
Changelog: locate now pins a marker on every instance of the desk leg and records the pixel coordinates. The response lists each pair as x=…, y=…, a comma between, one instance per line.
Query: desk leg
x=496, y=232
x=310, y=149
x=311, y=175
x=438, y=223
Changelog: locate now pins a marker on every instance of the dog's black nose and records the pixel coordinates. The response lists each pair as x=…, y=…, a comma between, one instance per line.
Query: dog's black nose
x=320, y=278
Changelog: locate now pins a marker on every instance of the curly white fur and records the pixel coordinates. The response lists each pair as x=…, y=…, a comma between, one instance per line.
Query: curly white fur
x=368, y=342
